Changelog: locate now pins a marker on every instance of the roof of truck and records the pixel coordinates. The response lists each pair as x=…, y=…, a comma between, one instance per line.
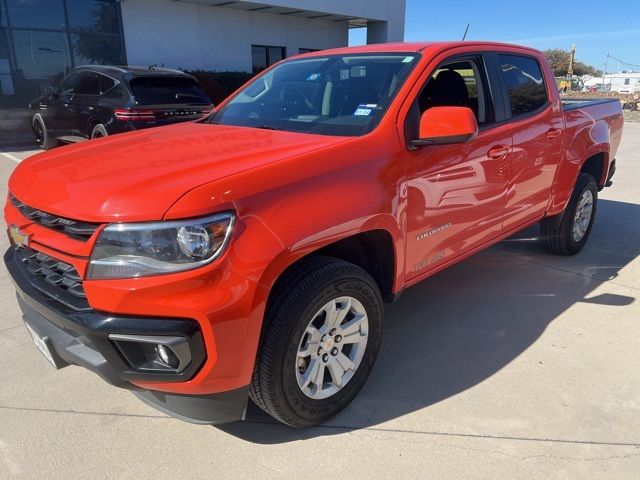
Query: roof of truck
x=414, y=47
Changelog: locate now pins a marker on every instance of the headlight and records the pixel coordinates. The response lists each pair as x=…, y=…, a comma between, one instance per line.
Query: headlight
x=126, y=250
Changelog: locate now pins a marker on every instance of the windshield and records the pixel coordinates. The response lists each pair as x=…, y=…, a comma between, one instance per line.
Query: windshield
x=332, y=95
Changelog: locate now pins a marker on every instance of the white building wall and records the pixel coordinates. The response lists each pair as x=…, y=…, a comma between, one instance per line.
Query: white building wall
x=189, y=35
x=390, y=14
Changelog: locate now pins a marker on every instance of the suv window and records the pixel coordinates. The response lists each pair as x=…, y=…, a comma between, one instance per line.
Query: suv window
x=89, y=84
x=106, y=83
x=525, y=83
x=70, y=84
x=150, y=90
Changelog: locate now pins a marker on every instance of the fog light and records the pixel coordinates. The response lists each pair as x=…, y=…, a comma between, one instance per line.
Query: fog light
x=158, y=353
x=167, y=356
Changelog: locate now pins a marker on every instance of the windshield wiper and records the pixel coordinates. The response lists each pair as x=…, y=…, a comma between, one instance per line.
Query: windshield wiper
x=268, y=127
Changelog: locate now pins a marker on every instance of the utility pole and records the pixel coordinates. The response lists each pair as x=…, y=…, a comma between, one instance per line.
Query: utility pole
x=570, y=70
x=604, y=74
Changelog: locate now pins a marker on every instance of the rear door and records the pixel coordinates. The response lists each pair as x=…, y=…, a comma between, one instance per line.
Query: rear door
x=536, y=122
x=456, y=193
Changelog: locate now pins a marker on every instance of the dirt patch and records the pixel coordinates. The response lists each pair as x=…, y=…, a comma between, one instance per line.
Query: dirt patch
x=631, y=116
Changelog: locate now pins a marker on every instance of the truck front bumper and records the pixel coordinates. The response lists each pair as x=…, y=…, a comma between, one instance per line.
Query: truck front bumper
x=86, y=339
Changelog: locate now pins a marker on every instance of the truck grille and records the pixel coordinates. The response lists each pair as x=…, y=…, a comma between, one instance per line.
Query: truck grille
x=73, y=228
x=56, y=279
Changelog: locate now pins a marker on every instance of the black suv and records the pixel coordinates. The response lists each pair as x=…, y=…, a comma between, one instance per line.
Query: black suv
x=96, y=101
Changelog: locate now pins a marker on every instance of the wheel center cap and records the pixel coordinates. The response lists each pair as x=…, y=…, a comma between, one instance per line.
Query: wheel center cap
x=327, y=344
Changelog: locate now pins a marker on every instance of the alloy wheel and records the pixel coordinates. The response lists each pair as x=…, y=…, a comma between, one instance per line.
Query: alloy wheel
x=582, y=218
x=332, y=347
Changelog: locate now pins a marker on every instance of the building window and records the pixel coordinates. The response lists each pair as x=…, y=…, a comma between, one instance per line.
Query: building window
x=264, y=56
x=93, y=16
x=627, y=81
x=36, y=14
x=97, y=49
x=307, y=50
x=41, y=40
x=40, y=55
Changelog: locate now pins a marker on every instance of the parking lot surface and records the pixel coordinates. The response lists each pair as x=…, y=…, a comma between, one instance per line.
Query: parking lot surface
x=512, y=364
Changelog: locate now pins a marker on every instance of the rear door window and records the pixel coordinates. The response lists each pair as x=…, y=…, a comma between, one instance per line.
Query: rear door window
x=150, y=90
x=89, y=84
x=524, y=82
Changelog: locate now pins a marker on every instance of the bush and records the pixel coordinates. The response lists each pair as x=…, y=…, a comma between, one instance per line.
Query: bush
x=219, y=85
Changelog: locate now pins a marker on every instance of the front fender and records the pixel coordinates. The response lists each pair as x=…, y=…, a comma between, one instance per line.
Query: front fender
x=295, y=206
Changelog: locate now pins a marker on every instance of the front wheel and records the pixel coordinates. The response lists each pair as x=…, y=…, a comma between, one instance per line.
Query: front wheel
x=567, y=233
x=43, y=138
x=322, y=334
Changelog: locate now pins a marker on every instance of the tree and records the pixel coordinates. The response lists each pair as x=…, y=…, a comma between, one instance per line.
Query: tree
x=559, y=60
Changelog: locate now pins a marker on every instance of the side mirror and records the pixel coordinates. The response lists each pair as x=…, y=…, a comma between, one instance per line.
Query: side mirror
x=48, y=90
x=446, y=125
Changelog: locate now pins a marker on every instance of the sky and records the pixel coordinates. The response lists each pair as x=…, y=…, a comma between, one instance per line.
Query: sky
x=596, y=28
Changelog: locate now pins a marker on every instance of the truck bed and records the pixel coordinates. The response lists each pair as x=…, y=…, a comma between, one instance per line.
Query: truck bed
x=574, y=103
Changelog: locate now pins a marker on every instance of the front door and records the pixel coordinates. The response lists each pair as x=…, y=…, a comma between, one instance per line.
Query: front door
x=59, y=118
x=456, y=193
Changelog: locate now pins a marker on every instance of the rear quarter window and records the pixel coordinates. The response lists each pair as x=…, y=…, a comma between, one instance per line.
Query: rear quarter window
x=525, y=85
x=150, y=90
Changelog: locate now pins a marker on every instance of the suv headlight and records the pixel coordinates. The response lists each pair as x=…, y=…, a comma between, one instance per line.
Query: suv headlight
x=126, y=250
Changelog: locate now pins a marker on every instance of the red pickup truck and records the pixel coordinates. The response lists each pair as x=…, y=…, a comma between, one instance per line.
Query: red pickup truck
x=249, y=254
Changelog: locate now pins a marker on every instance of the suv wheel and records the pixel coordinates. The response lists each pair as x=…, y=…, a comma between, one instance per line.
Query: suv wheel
x=43, y=139
x=321, y=337
x=99, y=131
x=567, y=233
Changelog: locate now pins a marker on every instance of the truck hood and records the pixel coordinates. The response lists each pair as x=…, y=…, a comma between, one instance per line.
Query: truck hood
x=137, y=176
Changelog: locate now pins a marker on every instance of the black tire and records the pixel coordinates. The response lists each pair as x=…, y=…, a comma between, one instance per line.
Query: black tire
x=293, y=304
x=557, y=231
x=43, y=138
x=99, y=131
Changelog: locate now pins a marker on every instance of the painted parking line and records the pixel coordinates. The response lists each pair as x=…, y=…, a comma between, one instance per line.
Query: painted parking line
x=11, y=157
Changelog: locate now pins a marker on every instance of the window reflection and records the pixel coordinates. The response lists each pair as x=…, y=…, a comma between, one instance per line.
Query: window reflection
x=48, y=43
x=93, y=16
x=41, y=54
x=97, y=49
x=6, y=81
x=36, y=14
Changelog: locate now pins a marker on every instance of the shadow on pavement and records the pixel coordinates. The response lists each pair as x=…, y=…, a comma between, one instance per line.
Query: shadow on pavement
x=461, y=326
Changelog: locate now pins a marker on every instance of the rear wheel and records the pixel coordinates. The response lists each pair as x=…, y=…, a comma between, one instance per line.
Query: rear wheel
x=321, y=338
x=99, y=131
x=567, y=233
x=43, y=138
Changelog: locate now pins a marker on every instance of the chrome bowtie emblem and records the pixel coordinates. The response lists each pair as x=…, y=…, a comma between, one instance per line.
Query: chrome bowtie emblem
x=18, y=237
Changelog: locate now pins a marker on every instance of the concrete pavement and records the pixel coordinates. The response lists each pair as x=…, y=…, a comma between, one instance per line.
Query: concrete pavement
x=513, y=364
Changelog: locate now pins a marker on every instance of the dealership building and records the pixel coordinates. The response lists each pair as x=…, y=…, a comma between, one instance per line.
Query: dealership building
x=41, y=40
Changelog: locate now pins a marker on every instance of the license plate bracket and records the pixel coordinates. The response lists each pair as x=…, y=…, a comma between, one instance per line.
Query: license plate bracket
x=43, y=344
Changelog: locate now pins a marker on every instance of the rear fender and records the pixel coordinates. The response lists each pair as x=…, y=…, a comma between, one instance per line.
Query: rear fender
x=583, y=140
